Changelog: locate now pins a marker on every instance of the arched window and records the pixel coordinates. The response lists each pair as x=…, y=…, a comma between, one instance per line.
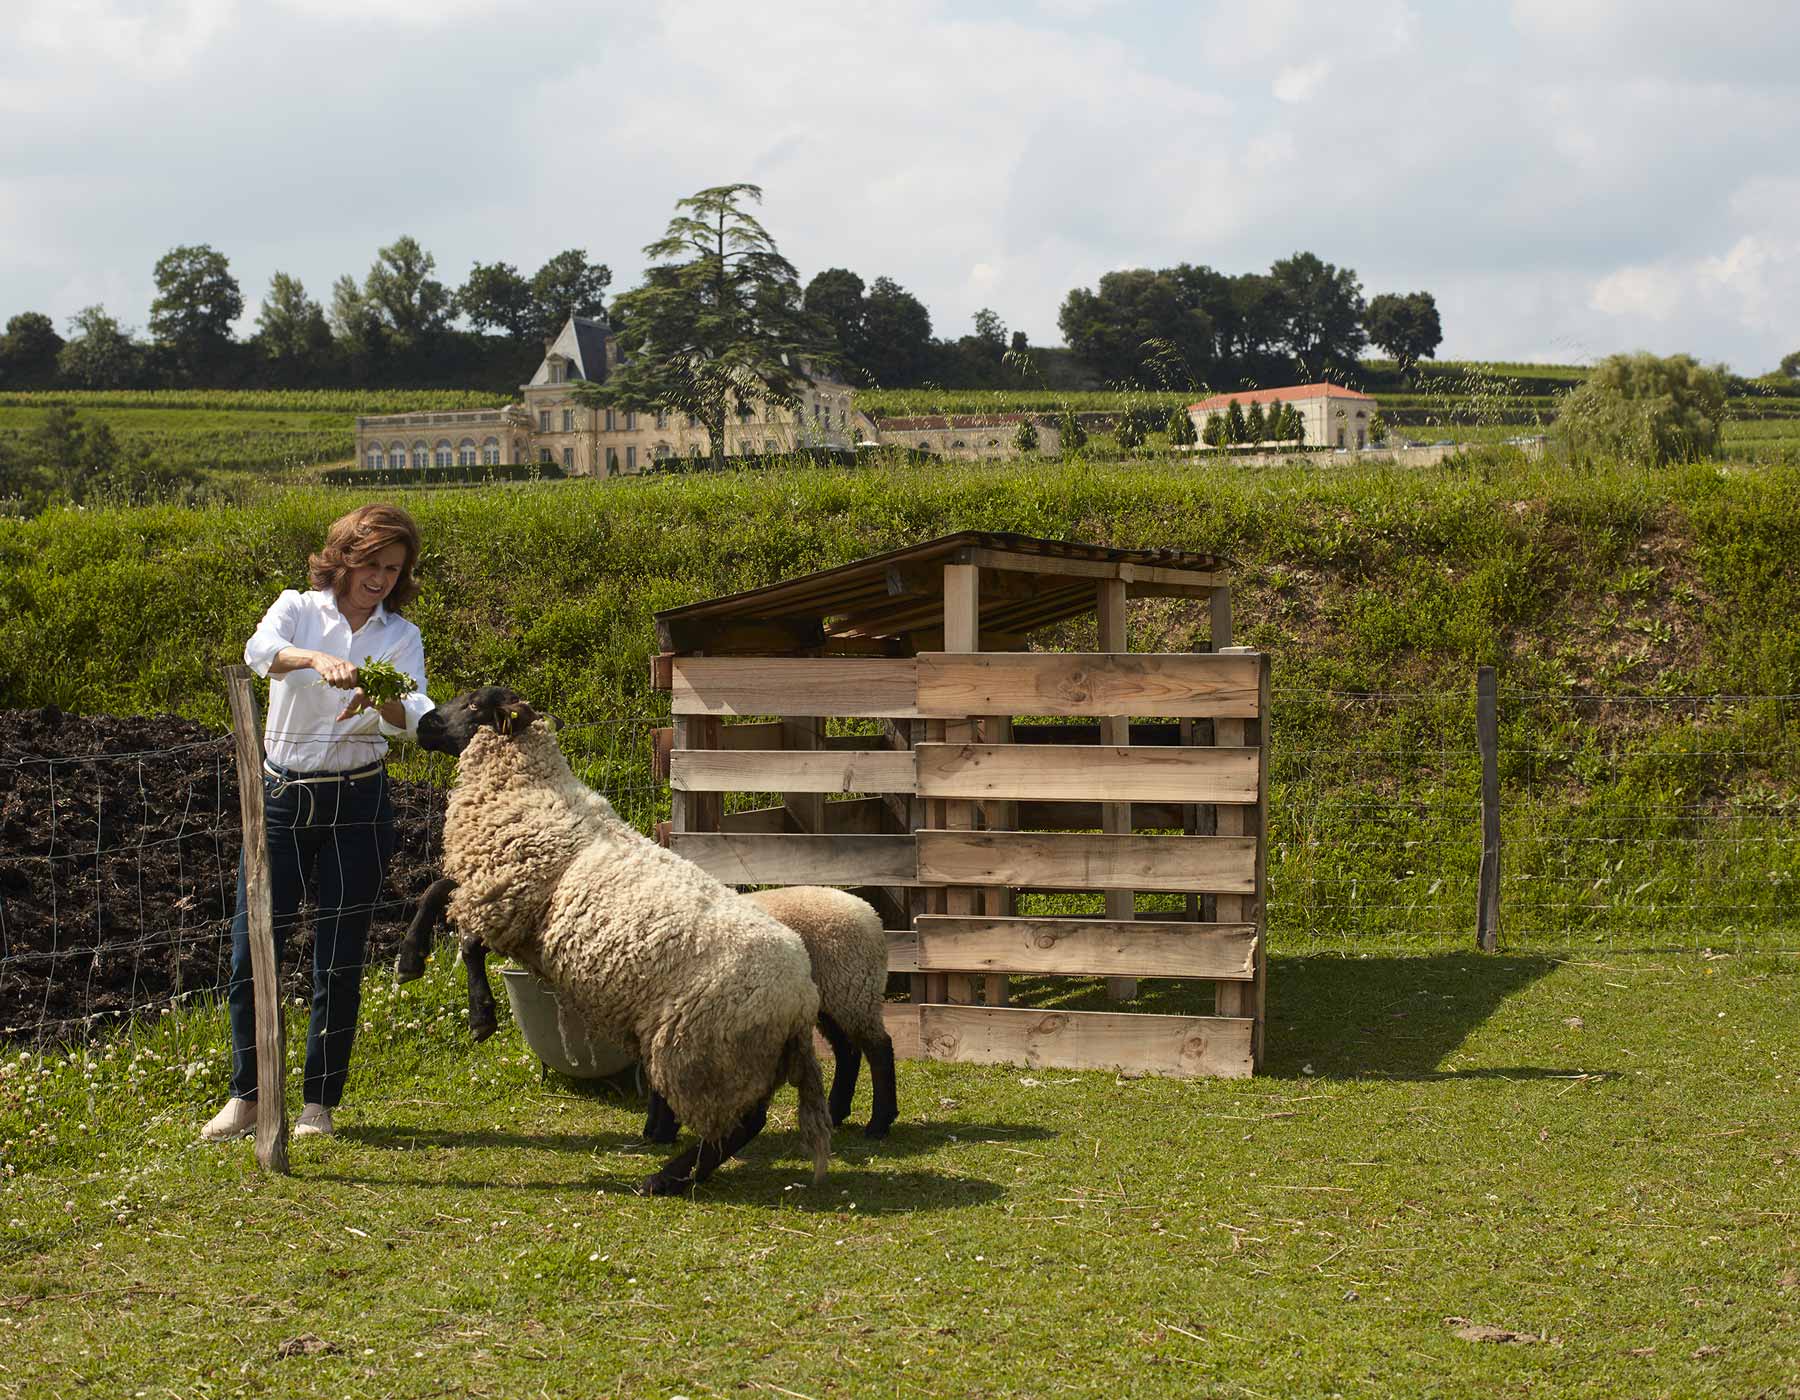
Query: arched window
x=924, y=447
x=446, y=455
x=397, y=456
x=465, y=452
x=663, y=450
x=490, y=452
x=421, y=456
x=374, y=457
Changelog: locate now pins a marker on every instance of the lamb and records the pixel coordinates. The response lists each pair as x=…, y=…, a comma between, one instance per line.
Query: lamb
x=713, y=995
x=845, y=945
x=848, y=950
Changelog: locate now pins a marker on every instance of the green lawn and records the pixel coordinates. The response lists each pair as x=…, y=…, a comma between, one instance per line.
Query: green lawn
x=1598, y=1155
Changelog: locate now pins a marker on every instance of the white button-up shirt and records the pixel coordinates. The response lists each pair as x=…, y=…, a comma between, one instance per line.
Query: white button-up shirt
x=303, y=730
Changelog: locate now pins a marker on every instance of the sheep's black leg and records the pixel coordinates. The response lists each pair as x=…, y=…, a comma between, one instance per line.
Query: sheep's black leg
x=843, y=1077
x=482, y=1017
x=885, y=1106
x=699, y=1162
x=415, y=947
x=660, y=1123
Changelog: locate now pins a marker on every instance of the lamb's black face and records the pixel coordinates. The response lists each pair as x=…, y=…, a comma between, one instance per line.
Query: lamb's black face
x=449, y=727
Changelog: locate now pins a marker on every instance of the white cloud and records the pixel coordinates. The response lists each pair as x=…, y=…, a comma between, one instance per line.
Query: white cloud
x=1300, y=83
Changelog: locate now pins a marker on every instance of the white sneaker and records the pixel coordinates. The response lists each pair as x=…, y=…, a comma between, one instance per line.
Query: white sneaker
x=315, y=1121
x=237, y=1119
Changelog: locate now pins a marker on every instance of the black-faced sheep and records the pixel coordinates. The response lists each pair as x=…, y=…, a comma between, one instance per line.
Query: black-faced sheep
x=712, y=994
x=845, y=944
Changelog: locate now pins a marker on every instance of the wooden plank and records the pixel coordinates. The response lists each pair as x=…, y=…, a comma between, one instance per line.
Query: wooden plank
x=1089, y=947
x=766, y=820
x=787, y=686
x=793, y=771
x=902, y=1021
x=695, y=811
x=659, y=670
x=1487, y=735
x=1078, y=683
x=747, y=859
x=265, y=971
x=903, y=950
x=1146, y=576
x=857, y=816
x=1131, y=1042
x=743, y=735
x=1070, y=773
x=1115, y=731
x=962, y=633
x=1084, y=861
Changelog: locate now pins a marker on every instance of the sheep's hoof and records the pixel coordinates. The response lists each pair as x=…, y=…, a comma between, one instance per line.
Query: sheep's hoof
x=660, y=1185
x=876, y=1130
x=409, y=968
x=481, y=1027
x=662, y=1136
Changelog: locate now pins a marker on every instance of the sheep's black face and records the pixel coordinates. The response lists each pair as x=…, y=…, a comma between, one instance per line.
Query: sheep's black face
x=449, y=727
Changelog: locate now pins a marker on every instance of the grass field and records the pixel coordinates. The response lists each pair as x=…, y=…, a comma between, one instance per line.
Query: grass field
x=1595, y=1156
x=1588, y=1142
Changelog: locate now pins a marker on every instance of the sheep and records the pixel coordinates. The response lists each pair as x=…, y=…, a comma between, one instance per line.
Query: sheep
x=848, y=949
x=711, y=993
x=845, y=945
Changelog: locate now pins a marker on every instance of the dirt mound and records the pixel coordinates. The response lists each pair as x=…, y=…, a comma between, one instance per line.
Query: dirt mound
x=119, y=840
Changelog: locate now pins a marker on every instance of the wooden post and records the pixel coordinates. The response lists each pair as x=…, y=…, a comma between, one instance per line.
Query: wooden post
x=1115, y=817
x=962, y=633
x=1487, y=731
x=271, y=1031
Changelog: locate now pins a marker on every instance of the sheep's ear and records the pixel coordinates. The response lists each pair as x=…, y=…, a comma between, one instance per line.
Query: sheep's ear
x=515, y=717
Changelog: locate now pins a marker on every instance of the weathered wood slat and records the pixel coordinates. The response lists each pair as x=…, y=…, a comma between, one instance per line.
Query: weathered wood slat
x=802, y=860
x=1148, y=575
x=1083, y=861
x=1066, y=773
x=802, y=770
x=1133, y=1042
x=1171, y=686
x=903, y=950
x=1088, y=947
x=750, y=685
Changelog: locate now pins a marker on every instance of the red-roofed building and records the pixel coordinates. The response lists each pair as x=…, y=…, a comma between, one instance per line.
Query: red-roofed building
x=1332, y=415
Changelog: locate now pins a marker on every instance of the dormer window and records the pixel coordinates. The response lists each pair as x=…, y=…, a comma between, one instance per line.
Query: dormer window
x=556, y=371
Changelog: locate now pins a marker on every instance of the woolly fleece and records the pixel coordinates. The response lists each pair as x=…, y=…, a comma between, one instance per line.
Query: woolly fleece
x=706, y=988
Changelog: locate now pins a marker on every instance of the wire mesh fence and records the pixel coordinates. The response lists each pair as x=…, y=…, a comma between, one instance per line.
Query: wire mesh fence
x=1636, y=821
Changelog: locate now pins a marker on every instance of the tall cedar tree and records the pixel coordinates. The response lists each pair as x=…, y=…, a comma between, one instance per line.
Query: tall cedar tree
x=1235, y=425
x=1181, y=428
x=1256, y=424
x=717, y=326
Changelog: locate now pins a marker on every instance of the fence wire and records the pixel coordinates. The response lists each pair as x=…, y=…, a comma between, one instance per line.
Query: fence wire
x=1636, y=821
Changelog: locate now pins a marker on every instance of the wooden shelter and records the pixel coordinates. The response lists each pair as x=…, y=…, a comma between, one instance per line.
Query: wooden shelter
x=969, y=775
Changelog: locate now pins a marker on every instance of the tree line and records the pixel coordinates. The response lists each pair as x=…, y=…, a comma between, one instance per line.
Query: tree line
x=396, y=327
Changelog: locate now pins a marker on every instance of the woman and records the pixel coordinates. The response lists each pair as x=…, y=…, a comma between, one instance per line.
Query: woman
x=330, y=823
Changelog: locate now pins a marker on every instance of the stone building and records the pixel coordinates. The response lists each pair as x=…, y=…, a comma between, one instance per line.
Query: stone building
x=970, y=436
x=1333, y=415
x=551, y=427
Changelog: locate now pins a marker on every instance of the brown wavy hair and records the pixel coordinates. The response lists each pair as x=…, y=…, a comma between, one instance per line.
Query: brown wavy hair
x=355, y=539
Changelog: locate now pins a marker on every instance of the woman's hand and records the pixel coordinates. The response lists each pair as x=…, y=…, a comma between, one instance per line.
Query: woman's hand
x=334, y=670
x=393, y=712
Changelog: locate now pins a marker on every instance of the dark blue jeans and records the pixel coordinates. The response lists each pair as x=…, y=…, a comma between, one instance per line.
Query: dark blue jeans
x=329, y=844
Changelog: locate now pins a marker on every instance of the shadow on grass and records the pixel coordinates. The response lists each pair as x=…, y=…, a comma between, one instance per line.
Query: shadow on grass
x=1344, y=1017
x=776, y=1179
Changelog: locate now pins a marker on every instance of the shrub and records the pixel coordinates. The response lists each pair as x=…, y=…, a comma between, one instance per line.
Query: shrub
x=1130, y=436
x=1181, y=428
x=1026, y=439
x=1645, y=409
x=1235, y=424
x=1074, y=436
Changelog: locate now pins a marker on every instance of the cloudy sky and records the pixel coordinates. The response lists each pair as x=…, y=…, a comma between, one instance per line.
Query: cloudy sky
x=1567, y=177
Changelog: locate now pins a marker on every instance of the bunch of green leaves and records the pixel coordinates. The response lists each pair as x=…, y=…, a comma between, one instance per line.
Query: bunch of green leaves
x=382, y=681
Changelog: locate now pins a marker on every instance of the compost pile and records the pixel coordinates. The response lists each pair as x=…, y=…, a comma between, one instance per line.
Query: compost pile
x=119, y=839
